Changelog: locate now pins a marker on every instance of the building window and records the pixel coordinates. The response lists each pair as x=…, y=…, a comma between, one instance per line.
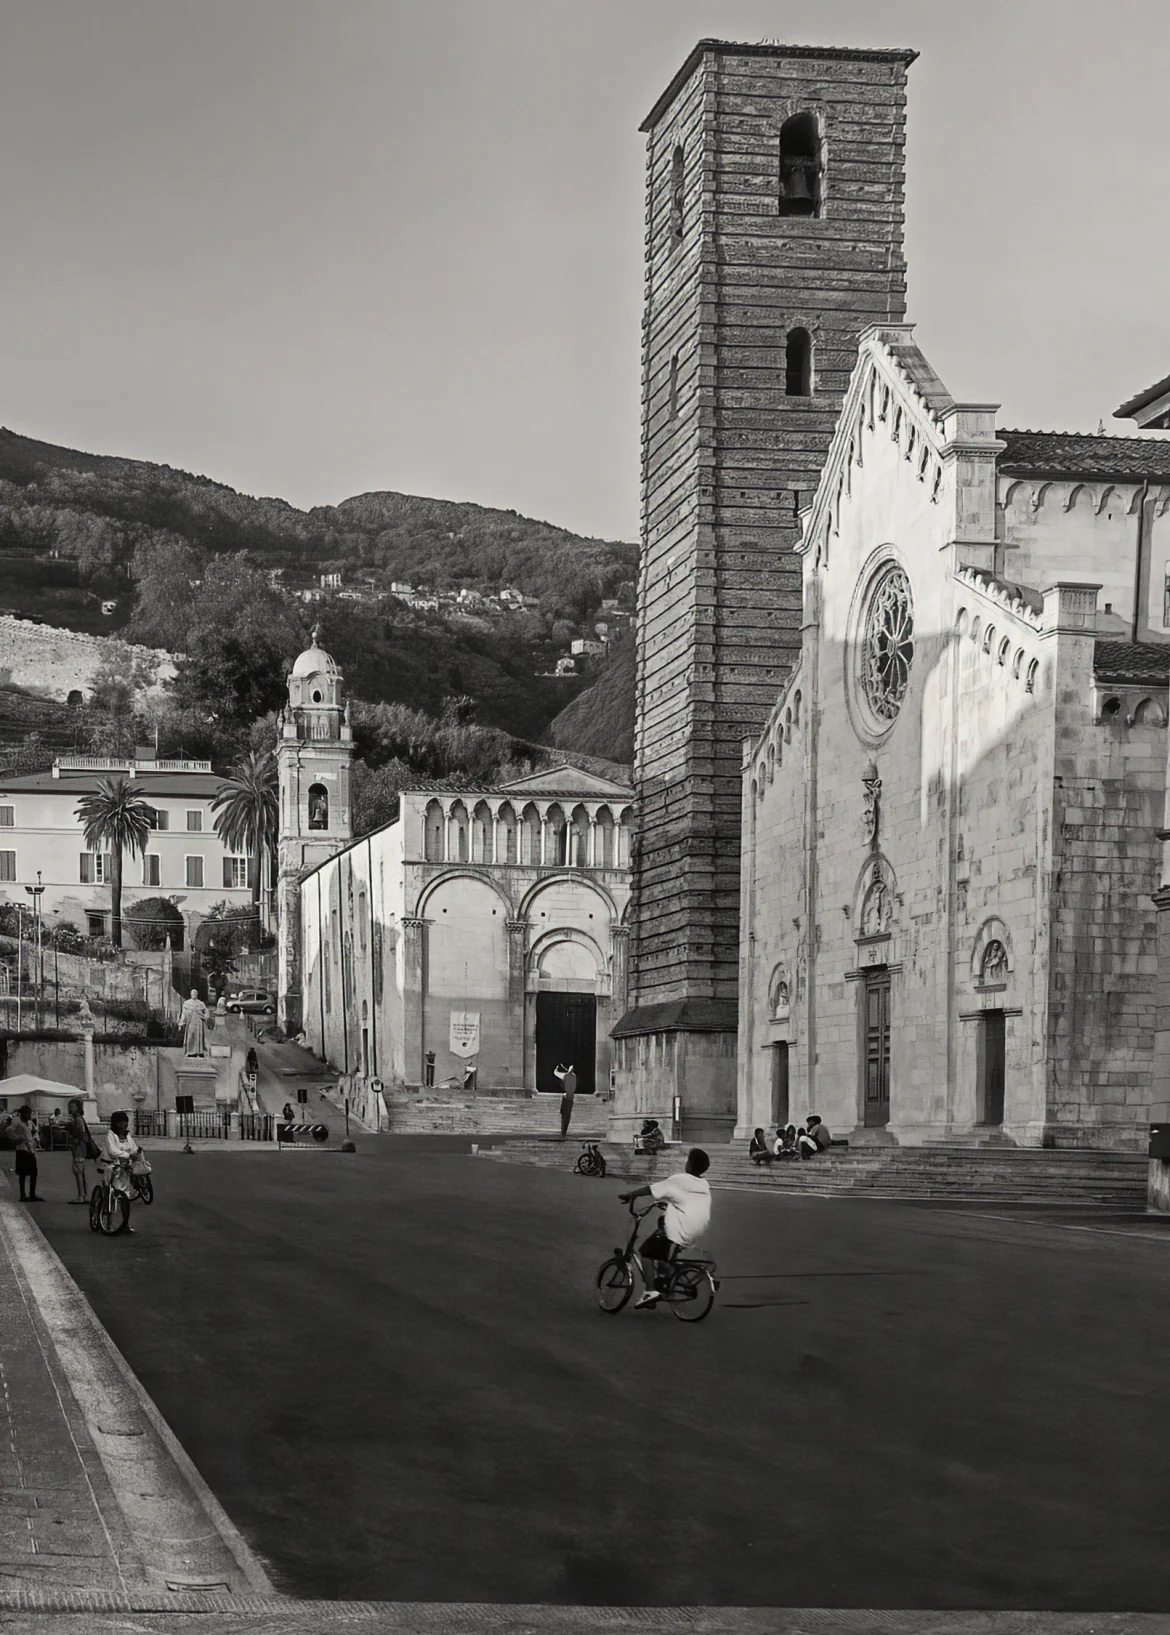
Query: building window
x=195, y=873
x=7, y=817
x=159, y=820
x=95, y=925
x=194, y=823
x=7, y=866
x=150, y=870
x=235, y=873
x=798, y=364
x=1166, y=601
x=887, y=645
x=672, y=389
x=94, y=869
x=800, y=166
x=318, y=806
x=677, y=184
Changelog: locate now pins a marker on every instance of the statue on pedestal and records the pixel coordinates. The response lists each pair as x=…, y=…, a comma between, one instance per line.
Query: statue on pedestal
x=193, y=1017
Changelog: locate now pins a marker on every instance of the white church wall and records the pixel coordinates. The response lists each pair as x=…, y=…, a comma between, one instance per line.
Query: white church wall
x=467, y=970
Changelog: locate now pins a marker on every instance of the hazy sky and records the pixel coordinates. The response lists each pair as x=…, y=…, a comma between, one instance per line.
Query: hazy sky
x=316, y=247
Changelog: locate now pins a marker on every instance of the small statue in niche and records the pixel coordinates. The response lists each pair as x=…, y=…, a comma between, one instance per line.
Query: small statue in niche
x=875, y=911
x=873, y=807
x=995, y=962
x=780, y=995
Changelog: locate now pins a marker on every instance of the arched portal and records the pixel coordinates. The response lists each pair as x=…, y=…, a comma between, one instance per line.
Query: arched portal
x=566, y=1015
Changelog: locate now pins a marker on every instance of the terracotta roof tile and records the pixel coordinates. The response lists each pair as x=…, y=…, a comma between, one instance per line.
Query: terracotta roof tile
x=1080, y=454
x=1131, y=661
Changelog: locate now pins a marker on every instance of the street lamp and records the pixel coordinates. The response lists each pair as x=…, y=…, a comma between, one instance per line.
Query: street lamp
x=36, y=892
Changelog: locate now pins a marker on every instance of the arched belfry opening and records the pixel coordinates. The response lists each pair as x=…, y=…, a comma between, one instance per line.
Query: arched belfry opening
x=798, y=360
x=800, y=166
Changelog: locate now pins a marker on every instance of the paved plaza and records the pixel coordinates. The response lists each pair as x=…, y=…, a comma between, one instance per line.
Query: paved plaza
x=390, y=1371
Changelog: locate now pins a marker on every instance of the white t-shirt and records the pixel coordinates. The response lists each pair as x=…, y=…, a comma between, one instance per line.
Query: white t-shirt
x=118, y=1146
x=688, y=1207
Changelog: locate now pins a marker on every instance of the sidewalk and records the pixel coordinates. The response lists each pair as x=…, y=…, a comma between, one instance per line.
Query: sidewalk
x=96, y=1495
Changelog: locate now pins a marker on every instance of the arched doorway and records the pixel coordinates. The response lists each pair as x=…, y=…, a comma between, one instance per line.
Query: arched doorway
x=566, y=1017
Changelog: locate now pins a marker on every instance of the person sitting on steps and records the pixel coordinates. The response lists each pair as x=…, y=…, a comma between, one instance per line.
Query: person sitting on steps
x=649, y=1138
x=758, y=1148
x=785, y=1143
x=820, y=1132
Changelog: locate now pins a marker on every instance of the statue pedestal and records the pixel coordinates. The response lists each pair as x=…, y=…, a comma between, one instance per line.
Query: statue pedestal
x=196, y=1076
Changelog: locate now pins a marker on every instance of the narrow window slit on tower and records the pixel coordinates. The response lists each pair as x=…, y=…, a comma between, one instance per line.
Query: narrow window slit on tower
x=673, y=389
x=798, y=364
x=800, y=166
x=676, y=194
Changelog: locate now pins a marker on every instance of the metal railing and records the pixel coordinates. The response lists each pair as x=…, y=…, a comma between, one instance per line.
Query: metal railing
x=149, y=1123
x=257, y=1127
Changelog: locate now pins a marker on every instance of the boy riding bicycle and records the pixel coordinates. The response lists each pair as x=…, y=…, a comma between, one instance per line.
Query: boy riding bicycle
x=686, y=1214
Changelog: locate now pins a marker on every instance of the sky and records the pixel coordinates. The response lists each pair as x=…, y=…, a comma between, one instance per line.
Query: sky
x=317, y=247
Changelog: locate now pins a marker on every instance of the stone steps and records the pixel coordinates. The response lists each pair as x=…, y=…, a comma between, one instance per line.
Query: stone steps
x=496, y=1115
x=984, y=1174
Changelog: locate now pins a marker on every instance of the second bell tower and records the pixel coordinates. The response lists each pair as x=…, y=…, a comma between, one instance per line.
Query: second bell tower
x=313, y=749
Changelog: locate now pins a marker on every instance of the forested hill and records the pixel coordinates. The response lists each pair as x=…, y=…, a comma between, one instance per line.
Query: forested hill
x=89, y=513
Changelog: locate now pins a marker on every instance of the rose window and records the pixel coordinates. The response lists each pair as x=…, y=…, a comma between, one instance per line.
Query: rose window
x=887, y=645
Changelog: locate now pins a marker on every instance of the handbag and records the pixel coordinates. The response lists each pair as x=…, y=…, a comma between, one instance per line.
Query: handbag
x=92, y=1151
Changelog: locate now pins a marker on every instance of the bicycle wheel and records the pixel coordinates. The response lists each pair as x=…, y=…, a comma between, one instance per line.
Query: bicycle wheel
x=114, y=1213
x=691, y=1293
x=95, y=1209
x=584, y=1165
x=145, y=1189
x=615, y=1285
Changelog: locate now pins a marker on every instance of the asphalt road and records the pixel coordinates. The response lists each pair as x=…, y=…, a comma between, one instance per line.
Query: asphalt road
x=391, y=1371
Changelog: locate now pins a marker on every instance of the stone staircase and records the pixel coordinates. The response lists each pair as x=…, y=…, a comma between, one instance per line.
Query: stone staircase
x=985, y=1174
x=533, y=1116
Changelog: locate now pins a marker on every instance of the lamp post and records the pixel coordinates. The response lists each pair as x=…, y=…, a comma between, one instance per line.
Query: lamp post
x=36, y=892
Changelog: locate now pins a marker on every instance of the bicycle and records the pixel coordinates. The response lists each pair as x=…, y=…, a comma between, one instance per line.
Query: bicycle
x=690, y=1287
x=126, y=1182
x=591, y=1161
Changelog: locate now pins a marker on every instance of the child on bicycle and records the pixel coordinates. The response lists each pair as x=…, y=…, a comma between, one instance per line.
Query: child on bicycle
x=686, y=1214
x=121, y=1150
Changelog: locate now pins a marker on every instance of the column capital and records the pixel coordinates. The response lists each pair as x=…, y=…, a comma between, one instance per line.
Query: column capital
x=619, y=930
x=411, y=922
x=516, y=925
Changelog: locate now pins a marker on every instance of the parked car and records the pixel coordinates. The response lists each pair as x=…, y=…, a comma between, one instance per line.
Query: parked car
x=252, y=1001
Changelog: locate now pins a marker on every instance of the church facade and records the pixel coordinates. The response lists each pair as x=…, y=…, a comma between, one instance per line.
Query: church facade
x=951, y=819
x=482, y=932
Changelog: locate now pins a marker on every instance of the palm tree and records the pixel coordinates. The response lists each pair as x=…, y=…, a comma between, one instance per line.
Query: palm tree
x=247, y=817
x=116, y=819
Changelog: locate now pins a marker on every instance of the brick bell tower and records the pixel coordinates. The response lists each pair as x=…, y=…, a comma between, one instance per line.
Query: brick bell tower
x=313, y=748
x=774, y=215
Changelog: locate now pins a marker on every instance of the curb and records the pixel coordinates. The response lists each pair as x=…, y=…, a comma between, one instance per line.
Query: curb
x=177, y=1526
x=251, y=1614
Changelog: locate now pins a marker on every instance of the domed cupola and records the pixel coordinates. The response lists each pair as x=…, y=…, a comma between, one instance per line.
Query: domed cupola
x=315, y=682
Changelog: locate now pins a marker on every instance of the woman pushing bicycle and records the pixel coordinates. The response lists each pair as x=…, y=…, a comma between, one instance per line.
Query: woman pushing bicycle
x=116, y=1178
x=686, y=1201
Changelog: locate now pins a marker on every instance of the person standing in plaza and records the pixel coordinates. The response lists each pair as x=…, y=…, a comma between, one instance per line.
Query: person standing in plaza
x=20, y=1133
x=80, y=1142
x=568, y=1093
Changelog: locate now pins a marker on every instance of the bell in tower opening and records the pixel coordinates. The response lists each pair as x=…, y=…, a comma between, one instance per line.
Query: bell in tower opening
x=800, y=166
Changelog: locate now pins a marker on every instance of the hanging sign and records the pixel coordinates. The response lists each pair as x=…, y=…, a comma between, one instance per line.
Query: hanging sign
x=465, y=1033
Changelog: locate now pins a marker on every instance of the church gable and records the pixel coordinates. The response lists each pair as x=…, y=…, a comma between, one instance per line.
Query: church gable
x=568, y=780
x=944, y=452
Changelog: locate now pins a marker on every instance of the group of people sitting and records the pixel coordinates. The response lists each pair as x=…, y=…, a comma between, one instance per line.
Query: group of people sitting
x=812, y=1138
x=649, y=1138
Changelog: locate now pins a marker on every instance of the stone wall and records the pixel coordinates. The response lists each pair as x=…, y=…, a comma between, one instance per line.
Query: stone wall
x=52, y=662
x=1111, y=778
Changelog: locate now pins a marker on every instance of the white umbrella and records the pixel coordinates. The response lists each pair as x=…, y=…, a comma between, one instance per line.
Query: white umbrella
x=37, y=1091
